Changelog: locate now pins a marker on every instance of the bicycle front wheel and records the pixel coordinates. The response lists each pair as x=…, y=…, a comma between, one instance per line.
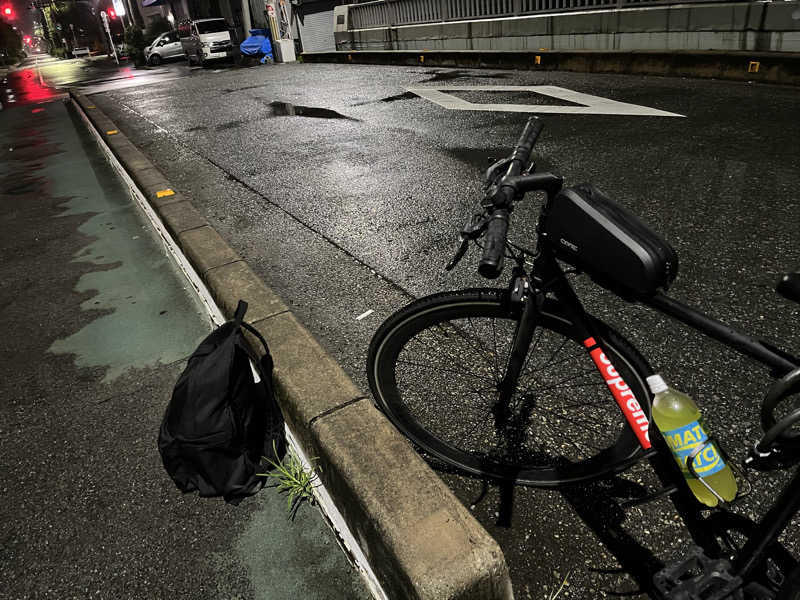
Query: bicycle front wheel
x=435, y=368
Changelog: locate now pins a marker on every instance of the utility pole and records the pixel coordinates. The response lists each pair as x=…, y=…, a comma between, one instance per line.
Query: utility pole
x=246, y=21
x=104, y=16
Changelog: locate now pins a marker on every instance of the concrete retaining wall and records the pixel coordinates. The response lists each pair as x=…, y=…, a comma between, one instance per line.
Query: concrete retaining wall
x=742, y=26
x=764, y=67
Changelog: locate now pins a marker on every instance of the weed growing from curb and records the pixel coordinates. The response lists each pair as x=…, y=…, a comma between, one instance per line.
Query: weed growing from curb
x=555, y=594
x=291, y=477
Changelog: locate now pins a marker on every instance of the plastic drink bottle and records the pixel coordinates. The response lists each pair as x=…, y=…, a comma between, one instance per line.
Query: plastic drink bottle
x=678, y=419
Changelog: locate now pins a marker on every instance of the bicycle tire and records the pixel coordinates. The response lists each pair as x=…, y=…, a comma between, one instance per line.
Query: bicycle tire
x=424, y=423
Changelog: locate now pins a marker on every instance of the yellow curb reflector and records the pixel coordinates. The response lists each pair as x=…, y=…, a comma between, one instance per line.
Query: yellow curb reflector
x=166, y=192
x=112, y=131
x=422, y=59
x=753, y=66
x=538, y=60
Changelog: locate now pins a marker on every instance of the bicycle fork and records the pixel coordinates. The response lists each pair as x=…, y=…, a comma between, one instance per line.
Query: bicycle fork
x=523, y=336
x=547, y=268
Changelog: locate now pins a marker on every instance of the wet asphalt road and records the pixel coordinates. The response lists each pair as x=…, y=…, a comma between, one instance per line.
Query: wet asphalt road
x=357, y=207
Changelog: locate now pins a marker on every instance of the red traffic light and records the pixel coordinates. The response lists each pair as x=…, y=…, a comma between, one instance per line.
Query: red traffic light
x=111, y=13
x=8, y=11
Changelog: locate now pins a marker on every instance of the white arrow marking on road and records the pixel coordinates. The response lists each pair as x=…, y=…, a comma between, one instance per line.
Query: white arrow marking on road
x=591, y=105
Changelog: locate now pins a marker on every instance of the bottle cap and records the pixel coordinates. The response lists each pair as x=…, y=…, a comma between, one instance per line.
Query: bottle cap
x=657, y=384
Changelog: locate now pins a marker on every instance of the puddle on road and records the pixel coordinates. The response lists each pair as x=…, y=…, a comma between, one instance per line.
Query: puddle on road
x=228, y=125
x=120, y=258
x=403, y=96
x=246, y=87
x=25, y=87
x=395, y=98
x=451, y=75
x=285, y=109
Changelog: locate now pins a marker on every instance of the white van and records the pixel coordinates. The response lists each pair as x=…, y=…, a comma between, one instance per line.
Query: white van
x=205, y=39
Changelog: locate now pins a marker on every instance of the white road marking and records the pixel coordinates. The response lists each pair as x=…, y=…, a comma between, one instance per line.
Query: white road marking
x=364, y=315
x=591, y=105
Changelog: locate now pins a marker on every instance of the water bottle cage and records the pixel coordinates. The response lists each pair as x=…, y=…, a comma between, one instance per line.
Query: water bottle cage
x=690, y=468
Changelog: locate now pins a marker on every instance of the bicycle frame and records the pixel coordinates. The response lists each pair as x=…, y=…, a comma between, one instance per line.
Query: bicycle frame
x=549, y=277
x=548, y=272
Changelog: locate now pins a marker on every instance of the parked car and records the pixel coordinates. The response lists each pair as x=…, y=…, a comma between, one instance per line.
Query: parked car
x=205, y=39
x=165, y=46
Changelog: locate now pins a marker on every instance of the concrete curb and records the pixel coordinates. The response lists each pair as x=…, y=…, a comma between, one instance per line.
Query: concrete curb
x=420, y=541
x=772, y=67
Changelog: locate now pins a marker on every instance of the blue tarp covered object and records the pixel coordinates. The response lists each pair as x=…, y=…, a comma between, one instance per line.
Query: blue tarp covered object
x=258, y=44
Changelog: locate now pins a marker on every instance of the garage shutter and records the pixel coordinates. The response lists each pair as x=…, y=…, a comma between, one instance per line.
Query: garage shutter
x=316, y=32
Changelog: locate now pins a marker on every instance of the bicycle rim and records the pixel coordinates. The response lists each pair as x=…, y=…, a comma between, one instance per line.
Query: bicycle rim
x=435, y=366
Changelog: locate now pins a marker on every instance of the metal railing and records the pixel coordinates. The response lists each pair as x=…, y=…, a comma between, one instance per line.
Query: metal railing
x=388, y=13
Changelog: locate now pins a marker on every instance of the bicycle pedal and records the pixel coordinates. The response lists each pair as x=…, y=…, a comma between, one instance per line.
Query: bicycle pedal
x=698, y=577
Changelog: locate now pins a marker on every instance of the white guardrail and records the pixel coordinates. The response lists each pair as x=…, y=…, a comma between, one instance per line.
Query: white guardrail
x=388, y=13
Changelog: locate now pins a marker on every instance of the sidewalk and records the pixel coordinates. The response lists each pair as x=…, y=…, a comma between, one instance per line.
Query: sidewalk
x=97, y=325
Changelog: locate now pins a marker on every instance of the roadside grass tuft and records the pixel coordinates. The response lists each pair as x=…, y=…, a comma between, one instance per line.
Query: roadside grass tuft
x=290, y=477
x=556, y=593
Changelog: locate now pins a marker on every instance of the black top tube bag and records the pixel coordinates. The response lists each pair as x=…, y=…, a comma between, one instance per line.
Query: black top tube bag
x=594, y=234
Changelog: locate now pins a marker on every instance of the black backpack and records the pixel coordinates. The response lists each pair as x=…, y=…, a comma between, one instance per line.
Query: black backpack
x=219, y=422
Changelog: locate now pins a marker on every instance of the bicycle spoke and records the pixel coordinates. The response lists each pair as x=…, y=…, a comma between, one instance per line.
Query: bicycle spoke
x=494, y=342
x=550, y=364
x=455, y=359
x=494, y=358
x=559, y=384
x=556, y=434
x=581, y=424
x=437, y=368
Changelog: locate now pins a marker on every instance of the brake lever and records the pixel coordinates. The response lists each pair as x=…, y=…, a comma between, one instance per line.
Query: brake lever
x=531, y=168
x=472, y=230
x=462, y=250
x=493, y=173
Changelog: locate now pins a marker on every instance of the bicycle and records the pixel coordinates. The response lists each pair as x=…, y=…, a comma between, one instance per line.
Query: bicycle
x=514, y=370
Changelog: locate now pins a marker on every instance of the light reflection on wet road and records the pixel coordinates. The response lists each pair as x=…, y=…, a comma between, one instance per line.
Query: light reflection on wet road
x=345, y=215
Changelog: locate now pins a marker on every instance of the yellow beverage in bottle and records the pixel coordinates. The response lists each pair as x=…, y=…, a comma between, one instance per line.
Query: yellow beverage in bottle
x=678, y=419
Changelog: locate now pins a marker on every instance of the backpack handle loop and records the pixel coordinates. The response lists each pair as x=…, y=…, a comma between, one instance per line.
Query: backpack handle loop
x=238, y=319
